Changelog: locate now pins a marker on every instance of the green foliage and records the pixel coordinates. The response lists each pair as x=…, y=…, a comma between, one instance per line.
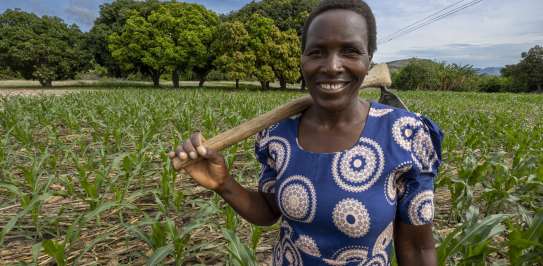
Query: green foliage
x=527, y=75
x=41, y=48
x=429, y=75
x=191, y=30
x=494, y=84
x=141, y=47
x=277, y=53
x=417, y=75
x=112, y=19
x=287, y=14
x=232, y=47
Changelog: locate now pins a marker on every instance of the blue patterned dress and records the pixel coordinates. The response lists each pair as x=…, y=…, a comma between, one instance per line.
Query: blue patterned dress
x=339, y=208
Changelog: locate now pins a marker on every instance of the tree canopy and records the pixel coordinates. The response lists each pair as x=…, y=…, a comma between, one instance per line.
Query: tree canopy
x=527, y=75
x=41, y=48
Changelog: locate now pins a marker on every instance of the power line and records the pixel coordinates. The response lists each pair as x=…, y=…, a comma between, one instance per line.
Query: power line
x=436, y=16
x=421, y=20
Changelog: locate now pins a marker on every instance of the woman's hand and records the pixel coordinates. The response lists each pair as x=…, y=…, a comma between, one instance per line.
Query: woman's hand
x=210, y=171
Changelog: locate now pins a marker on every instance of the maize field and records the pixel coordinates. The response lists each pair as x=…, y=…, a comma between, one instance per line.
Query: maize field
x=85, y=178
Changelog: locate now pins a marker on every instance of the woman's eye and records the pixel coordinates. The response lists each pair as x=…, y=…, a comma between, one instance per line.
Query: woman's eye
x=352, y=52
x=314, y=53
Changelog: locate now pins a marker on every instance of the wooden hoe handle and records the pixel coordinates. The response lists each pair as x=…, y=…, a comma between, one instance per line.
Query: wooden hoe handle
x=378, y=76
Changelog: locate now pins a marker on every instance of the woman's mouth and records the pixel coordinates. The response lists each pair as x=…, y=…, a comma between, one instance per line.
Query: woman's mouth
x=332, y=87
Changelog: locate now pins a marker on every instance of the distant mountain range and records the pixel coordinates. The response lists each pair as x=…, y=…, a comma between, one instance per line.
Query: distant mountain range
x=398, y=64
x=491, y=71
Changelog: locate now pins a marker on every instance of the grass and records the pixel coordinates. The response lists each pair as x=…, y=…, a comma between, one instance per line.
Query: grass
x=85, y=179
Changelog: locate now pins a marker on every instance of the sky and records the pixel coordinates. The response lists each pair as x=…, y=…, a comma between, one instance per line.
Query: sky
x=492, y=33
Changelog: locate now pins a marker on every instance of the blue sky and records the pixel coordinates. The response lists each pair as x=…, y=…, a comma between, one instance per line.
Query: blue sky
x=491, y=33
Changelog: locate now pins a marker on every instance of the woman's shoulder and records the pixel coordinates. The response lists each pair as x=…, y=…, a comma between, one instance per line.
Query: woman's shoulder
x=404, y=124
x=282, y=129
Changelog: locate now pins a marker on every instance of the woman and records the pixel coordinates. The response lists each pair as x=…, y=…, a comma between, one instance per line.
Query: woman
x=346, y=176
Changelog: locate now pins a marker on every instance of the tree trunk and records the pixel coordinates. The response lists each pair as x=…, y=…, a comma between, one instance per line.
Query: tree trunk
x=267, y=85
x=201, y=83
x=263, y=85
x=237, y=83
x=156, y=79
x=46, y=83
x=283, y=83
x=175, y=78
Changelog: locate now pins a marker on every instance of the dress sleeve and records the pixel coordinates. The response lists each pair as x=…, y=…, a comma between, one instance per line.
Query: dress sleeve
x=268, y=174
x=416, y=186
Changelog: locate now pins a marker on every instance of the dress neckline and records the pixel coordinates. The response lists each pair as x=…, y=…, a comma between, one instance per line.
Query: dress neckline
x=362, y=134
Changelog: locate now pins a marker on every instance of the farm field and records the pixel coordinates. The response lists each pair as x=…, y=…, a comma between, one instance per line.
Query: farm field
x=85, y=180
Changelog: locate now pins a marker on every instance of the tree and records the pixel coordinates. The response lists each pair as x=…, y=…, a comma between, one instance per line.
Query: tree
x=285, y=55
x=260, y=29
x=455, y=77
x=527, y=75
x=235, y=58
x=277, y=53
x=41, y=48
x=191, y=29
x=417, y=75
x=141, y=46
x=286, y=14
x=112, y=19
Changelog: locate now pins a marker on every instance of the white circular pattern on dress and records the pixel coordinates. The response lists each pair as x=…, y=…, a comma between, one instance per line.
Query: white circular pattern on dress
x=358, y=168
x=421, y=208
x=279, y=151
x=298, y=199
x=383, y=240
x=295, y=201
x=380, y=259
x=374, y=112
x=392, y=181
x=351, y=217
x=424, y=154
x=402, y=131
x=348, y=254
x=306, y=244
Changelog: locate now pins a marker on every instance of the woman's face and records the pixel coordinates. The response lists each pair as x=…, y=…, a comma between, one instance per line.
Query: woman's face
x=336, y=60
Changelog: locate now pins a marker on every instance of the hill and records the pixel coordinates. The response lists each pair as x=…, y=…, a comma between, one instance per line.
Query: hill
x=398, y=64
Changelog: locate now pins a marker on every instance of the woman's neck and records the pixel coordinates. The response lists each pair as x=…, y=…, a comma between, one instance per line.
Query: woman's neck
x=352, y=113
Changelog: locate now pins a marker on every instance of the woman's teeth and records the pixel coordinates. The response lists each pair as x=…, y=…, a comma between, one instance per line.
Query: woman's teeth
x=333, y=86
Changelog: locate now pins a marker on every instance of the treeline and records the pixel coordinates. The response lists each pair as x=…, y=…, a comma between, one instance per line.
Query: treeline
x=153, y=38
x=526, y=76
x=175, y=40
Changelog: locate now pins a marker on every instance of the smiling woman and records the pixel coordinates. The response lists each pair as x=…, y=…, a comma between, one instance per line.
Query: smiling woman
x=347, y=177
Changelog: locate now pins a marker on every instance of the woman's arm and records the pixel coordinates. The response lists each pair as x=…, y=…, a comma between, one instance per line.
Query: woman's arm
x=256, y=207
x=414, y=244
x=211, y=172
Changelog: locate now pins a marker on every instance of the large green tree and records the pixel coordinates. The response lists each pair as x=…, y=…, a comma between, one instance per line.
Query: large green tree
x=41, y=48
x=234, y=57
x=142, y=46
x=286, y=14
x=277, y=52
x=527, y=75
x=112, y=19
x=190, y=28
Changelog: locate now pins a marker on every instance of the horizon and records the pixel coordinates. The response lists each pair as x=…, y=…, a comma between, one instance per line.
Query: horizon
x=487, y=34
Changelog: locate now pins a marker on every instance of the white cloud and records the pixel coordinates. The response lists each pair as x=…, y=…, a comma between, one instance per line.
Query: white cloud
x=493, y=29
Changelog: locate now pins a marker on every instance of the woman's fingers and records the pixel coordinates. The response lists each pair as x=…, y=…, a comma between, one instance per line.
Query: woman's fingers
x=176, y=163
x=197, y=140
x=188, y=147
x=180, y=153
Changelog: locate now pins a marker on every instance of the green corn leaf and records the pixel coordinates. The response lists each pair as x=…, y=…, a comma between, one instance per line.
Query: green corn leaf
x=160, y=254
x=29, y=207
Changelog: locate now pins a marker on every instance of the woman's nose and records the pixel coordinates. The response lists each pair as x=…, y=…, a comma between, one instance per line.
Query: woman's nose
x=333, y=64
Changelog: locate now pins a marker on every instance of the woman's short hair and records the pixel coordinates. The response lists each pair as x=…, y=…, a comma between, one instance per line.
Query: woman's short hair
x=357, y=6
